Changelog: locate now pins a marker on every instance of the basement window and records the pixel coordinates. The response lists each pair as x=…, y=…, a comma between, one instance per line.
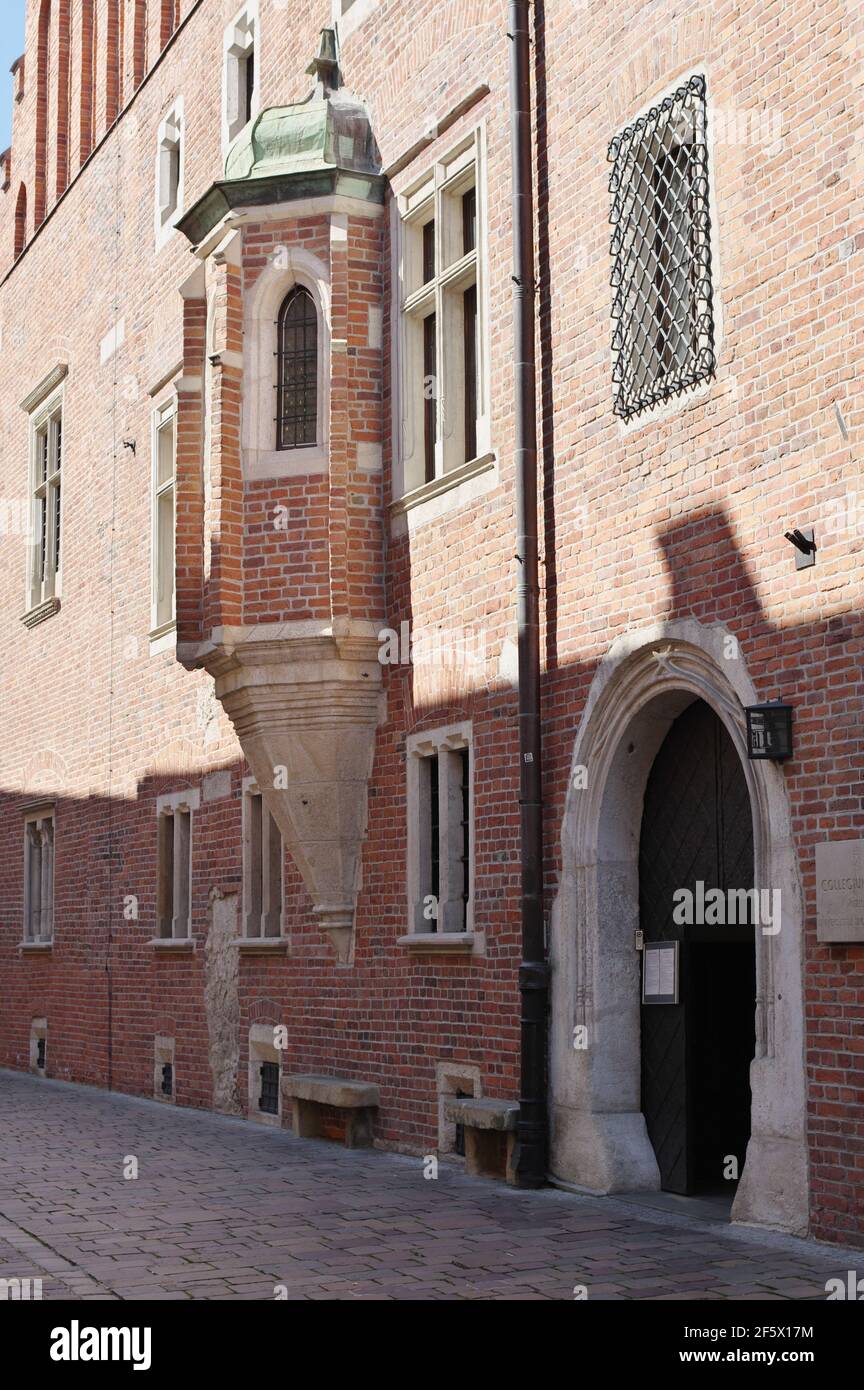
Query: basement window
x=662, y=308
x=460, y=1081
x=263, y=863
x=163, y=1069
x=268, y=1096
x=440, y=833
x=39, y=1046
x=264, y=1075
x=39, y=876
x=240, y=89
x=174, y=895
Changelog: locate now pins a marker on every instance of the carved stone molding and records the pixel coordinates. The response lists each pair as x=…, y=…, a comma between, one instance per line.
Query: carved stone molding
x=599, y=1138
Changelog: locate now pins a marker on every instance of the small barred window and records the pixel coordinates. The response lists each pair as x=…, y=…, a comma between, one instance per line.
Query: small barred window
x=662, y=314
x=297, y=385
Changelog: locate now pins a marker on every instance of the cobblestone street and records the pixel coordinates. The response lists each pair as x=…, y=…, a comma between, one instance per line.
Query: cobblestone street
x=226, y=1209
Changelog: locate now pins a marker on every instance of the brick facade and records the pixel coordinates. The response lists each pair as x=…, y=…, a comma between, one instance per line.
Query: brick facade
x=678, y=515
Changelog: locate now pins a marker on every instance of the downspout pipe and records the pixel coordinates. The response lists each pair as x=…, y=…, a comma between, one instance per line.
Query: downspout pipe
x=532, y=1127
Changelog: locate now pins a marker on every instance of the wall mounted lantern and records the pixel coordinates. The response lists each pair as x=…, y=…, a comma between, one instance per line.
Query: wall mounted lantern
x=769, y=730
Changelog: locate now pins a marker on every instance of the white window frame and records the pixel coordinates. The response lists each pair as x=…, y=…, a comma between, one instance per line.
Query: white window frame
x=438, y=194
x=172, y=812
x=240, y=38
x=442, y=742
x=43, y=423
x=39, y=875
x=258, y=911
x=163, y=416
x=170, y=184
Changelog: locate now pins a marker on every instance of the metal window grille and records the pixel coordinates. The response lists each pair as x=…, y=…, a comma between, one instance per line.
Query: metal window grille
x=268, y=1100
x=662, y=314
x=167, y=1078
x=297, y=377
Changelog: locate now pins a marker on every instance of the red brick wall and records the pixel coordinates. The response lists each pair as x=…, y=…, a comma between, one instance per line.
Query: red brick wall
x=674, y=517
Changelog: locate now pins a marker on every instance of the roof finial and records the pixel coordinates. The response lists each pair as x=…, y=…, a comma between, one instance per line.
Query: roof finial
x=325, y=66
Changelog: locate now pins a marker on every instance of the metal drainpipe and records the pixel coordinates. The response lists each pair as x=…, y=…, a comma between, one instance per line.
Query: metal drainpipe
x=533, y=973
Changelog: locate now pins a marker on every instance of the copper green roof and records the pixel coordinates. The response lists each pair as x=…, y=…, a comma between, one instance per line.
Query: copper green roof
x=320, y=146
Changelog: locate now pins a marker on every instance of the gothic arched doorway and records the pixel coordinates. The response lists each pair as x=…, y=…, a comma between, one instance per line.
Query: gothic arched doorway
x=699, y=976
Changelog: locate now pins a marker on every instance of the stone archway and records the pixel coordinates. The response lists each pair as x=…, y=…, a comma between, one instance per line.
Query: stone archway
x=598, y=1137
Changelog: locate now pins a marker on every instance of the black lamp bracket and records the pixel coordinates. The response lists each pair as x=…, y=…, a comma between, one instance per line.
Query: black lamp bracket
x=805, y=546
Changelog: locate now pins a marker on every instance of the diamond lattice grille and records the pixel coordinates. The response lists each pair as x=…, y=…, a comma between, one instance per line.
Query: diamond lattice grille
x=663, y=321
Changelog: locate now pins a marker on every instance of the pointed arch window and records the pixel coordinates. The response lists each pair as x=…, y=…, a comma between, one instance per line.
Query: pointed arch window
x=297, y=374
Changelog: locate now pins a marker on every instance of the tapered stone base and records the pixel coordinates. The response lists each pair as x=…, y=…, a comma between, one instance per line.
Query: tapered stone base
x=305, y=702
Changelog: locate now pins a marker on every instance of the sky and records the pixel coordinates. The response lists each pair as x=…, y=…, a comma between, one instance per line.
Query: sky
x=11, y=47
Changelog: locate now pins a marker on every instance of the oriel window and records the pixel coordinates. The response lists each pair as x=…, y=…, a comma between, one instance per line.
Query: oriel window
x=297, y=375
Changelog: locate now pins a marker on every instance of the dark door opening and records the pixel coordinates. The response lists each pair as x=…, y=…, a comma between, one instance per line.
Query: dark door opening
x=696, y=1053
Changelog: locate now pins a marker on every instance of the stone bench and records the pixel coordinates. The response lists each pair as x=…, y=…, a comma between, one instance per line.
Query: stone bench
x=313, y=1096
x=490, y=1134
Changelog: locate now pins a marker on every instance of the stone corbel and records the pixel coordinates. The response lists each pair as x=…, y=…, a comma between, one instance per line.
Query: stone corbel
x=305, y=702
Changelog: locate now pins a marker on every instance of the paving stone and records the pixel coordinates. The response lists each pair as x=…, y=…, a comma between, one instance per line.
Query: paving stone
x=225, y=1210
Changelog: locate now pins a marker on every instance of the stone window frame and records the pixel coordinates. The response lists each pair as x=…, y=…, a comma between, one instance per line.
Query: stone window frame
x=241, y=37
x=162, y=627
x=42, y=596
x=451, y=1077
x=164, y=1054
x=346, y=16
x=41, y=821
x=436, y=194
x=170, y=183
x=18, y=70
x=262, y=1048
x=448, y=933
x=287, y=266
x=266, y=823
x=178, y=809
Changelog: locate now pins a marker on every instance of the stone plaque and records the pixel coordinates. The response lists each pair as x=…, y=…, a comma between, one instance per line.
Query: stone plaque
x=840, y=890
